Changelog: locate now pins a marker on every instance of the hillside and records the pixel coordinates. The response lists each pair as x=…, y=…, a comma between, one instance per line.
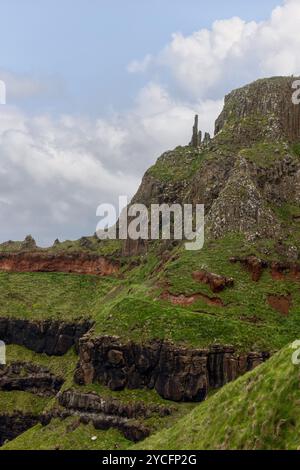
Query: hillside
x=259, y=411
x=120, y=339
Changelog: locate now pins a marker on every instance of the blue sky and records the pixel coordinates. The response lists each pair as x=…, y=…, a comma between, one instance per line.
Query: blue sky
x=98, y=89
x=81, y=48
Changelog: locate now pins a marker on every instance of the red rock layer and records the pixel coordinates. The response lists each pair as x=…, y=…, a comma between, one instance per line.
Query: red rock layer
x=80, y=263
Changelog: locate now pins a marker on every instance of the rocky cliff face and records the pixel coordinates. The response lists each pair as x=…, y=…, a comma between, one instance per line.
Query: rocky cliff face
x=267, y=99
x=12, y=425
x=79, y=263
x=176, y=373
x=251, y=165
x=29, y=377
x=50, y=337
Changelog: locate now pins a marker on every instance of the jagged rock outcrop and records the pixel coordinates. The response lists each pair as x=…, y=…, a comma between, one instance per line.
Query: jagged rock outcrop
x=79, y=263
x=240, y=207
x=278, y=270
x=103, y=414
x=176, y=373
x=50, y=337
x=92, y=402
x=29, y=243
x=216, y=282
x=197, y=135
x=270, y=100
x=206, y=139
x=244, y=174
x=110, y=412
x=29, y=377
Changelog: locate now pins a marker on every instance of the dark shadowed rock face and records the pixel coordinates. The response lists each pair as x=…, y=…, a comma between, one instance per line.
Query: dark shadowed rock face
x=12, y=425
x=29, y=377
x=176, y=373
x=50, y=337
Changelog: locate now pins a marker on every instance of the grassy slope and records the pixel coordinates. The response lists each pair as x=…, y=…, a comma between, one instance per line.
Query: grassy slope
x=68, y=435
x=74, y=435
x=258, y=411
x=24, y=402
x=84, y=245
x=51, y=295
x=131, y=307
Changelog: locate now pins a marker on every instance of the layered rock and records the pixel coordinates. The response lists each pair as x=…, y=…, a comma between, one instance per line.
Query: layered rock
x=49, y=336
x=176, y=373
x=79, y=263
x=107, y=413
x=92, y=402
x=270, y=99
x=29, y=377
x=250, y=165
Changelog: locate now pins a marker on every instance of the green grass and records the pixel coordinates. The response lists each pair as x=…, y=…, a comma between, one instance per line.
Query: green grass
x=51, y=295
x=177, y=165
x=24, y=402
x=47, y=438
x=68, y=435
x=90, y=244
x=265, y=154
x=62, y=366
x=258, y=411
x=130, y=307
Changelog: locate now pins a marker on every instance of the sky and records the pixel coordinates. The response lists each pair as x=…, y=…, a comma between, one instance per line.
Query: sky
x=98, y=89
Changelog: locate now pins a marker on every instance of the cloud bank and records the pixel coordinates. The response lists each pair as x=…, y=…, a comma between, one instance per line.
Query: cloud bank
x=55, y=170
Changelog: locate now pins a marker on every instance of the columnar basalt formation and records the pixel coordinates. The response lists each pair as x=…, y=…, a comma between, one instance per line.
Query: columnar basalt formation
x=78, y=263
x=54, y=338
x=197, y=135
x=269, y=98
x=176, y=373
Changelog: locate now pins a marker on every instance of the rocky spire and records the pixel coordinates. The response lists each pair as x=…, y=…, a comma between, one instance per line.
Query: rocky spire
x=197, y=135
x=29, y=243
x=206, y=139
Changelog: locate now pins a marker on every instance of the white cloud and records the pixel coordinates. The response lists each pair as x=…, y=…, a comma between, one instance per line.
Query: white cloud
x=55, y=171
x=139, y=66
x=208, y=63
